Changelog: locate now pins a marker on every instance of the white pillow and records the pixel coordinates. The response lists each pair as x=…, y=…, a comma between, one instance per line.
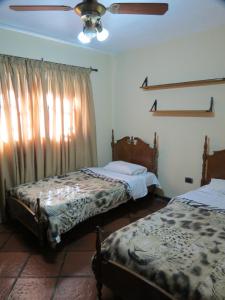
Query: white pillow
x=124, y=167
x=217, y=185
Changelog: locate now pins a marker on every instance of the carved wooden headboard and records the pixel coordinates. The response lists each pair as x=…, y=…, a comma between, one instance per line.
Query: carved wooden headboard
x=135, y=150
x=213, y=165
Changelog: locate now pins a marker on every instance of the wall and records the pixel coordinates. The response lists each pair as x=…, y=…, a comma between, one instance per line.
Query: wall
x=200, y=56
x=20, y=44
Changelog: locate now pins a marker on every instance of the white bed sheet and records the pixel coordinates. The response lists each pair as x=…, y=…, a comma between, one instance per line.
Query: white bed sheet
x=138, y=183
x=206, y=195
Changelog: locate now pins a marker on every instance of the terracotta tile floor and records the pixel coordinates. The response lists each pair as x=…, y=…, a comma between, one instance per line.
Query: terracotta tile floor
x=27, y=272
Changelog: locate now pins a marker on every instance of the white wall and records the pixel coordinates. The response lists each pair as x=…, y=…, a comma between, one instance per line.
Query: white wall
x=200, y=56
x=20, y=44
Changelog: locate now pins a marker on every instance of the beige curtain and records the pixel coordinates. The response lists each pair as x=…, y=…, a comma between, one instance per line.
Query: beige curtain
x=47, y=122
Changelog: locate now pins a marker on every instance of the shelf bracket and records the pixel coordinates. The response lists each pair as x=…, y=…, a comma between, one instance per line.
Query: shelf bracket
x=145, y=82
x=154, y=106
x=211, y=105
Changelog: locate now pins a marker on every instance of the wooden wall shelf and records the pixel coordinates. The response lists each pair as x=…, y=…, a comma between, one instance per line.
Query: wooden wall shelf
x=183, y=113
x=185, y=84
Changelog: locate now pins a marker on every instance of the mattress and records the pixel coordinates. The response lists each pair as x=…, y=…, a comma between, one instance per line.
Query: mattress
x=181, y=248
x=74, y=197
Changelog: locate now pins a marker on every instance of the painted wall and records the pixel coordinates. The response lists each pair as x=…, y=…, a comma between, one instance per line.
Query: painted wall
x=200, y=56
x=20, y=44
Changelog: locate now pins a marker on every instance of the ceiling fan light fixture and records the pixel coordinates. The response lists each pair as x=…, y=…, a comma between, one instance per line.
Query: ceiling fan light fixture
x=89, y=28
x=83, y=38
x=90, y=32
x=102, y=35
x=92, y=28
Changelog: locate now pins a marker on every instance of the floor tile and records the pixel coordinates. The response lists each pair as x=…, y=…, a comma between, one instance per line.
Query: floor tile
x=77, y=264
x=11, y=263
x=116, y=224
x=43, y=265
x=76, y=288
x=6, y=285
x=139, y=213
x=5, y=228
x=83, y=243
x=143, y=203
x=33, y=288
x=21, y=242
x=107, y=294
x=157, y=204
x=3, y=238
x=105, y=234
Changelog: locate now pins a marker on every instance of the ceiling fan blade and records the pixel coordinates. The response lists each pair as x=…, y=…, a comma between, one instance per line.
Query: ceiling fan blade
x=139, y=8
x=39, y=7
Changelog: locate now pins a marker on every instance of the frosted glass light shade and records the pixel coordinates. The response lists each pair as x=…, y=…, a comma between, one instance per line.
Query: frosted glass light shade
x=83, y=38
x=102, y=35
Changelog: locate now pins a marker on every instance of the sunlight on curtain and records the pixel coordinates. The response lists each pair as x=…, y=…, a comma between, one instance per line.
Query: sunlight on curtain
x=55, y=121
x=55, y=131
x=47, y=122
x=16, y=118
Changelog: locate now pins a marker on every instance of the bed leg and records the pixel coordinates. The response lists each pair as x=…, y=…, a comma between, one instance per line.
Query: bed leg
x=155, y=156
x=99, y=290
x=97, y=263
x=40, y=224
x=41, y=242
x=113, y=145
x=204, y=159
x=7, y=210
x=155, y=141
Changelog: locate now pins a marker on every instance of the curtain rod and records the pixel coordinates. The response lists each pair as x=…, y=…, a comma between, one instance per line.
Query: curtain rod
x=42, y=59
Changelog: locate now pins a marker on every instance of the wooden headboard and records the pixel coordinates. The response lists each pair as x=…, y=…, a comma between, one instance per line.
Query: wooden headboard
x=213, y=165
x=135, y=150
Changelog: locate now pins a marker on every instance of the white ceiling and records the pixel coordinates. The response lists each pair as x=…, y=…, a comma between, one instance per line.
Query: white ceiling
x=126, y=31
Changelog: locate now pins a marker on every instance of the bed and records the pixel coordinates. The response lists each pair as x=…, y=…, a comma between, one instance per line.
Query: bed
x=175, y=253
x=54, y=205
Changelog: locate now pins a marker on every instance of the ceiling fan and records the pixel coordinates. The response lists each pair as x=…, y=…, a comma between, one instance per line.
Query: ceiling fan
x=91, y=12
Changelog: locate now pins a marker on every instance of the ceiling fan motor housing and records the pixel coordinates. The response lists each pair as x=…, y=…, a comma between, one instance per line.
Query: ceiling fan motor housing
x=90, y=8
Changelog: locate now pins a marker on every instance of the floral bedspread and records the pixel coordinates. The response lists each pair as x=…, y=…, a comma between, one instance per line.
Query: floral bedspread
x=181, y=248
x=72, y=198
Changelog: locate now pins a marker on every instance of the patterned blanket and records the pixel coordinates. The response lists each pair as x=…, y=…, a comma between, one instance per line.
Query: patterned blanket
x=72, y=198
x=181, y=248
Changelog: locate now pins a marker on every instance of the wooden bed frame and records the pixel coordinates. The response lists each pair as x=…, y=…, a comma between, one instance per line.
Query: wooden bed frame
x=129, y=149
x=134, y=150
x=213, y=165
x=119, y=278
